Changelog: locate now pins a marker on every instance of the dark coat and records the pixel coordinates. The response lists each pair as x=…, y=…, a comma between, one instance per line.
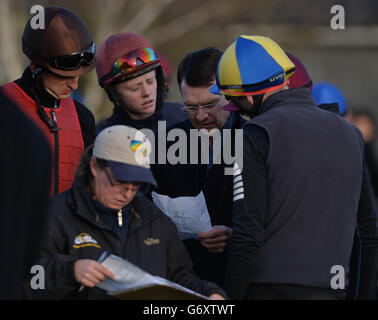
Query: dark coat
x=24, y=191
x=170, y=112
x=73, y=213
x=189, y=180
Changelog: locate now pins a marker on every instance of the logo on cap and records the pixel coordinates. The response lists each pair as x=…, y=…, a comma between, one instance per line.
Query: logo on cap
x=140, y=150
x=276, y=77
x=135, y=144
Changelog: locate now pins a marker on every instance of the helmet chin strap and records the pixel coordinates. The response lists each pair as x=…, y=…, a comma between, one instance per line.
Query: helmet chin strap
x=36, y=73
x=254, y=109
x=257, y=105
x=35, y=89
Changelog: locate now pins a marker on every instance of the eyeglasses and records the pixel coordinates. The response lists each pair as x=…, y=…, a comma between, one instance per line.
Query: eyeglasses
x=132, y=61
x=118, y=187
x=74, y=60
x=206, y=107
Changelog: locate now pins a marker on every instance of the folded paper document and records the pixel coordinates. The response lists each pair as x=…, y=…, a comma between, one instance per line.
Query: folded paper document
x=190, y=214
x=133, y=283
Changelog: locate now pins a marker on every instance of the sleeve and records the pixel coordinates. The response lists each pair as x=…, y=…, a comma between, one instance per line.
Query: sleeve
x=87, y=124
x=58, y=265
x=250, y=193
x=363, y=265
x=180, y=265
x=372, y=167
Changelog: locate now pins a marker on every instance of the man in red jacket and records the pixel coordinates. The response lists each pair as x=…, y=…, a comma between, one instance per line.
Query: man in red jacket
x=59, y=54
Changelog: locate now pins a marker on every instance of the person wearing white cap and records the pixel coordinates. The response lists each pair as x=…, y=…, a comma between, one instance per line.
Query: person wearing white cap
x=103, y=212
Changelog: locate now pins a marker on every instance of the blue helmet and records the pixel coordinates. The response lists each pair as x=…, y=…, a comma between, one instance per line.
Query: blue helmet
x=325, y=92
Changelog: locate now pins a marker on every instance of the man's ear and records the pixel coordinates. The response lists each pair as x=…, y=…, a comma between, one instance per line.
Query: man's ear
x=93, y=166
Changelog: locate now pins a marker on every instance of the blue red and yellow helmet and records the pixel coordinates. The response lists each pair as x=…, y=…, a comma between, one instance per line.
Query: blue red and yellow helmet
x=252, y=65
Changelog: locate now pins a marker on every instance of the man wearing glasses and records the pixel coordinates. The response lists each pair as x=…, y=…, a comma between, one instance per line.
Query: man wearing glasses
x=198, y=197
x=59, y=54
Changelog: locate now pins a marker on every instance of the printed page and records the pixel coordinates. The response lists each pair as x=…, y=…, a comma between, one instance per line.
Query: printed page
x=130, y=277
x=127, y=275
x=190, y=214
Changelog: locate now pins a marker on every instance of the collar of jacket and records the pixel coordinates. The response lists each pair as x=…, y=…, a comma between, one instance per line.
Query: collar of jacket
x=119, y=116
x=142, y=211
x=26, y=83
x=297, y=96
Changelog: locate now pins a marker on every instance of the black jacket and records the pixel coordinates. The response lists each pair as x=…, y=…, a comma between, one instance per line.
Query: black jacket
x=24, y=188
x=171, y=113
x=189, y=180
x=73, y=214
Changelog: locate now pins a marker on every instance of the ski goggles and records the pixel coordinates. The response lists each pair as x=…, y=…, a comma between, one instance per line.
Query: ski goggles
x=74, y=60
x=131, y=62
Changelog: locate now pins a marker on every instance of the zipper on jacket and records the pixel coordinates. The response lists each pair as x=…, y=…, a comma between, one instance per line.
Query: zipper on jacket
x=55, y=130
x=120, y=222
x=53, y=126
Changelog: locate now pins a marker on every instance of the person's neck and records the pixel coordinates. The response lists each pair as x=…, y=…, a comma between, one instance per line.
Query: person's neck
x=268, y=94
x=35, y=90
x=135, y=116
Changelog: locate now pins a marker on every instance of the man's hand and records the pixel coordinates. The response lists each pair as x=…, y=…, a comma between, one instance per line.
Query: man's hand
x=215, y=240
x=90, y=272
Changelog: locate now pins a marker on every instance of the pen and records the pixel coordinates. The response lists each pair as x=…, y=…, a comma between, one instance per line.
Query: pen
x=102, y=258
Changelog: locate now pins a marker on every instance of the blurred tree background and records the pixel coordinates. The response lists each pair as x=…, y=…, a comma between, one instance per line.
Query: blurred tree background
x=348, y=58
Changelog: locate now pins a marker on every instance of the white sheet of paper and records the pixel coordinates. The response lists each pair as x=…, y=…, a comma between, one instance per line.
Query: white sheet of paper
x=190, y=214
x=130, y=276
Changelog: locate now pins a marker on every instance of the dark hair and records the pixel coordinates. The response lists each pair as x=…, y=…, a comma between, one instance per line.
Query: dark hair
x=84, y=170
x=199, y=68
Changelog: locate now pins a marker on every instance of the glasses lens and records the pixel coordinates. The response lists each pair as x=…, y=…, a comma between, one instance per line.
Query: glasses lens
x=132, y=60
x=210, y=107
x=73, y=61
x=190, y=109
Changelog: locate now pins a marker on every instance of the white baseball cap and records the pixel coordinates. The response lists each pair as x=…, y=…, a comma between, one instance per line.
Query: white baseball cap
x=126, y=151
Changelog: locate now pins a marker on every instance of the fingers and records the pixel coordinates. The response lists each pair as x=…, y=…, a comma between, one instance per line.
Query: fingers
x=105, y=271
x=90, y=272
x=216, y=296
x=215, y=232
x=215, y=240
x=90, y=279
x=217, y=247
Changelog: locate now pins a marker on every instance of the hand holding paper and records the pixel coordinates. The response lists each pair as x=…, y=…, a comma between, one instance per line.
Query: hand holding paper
x=90, y=272
x=215, y=240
